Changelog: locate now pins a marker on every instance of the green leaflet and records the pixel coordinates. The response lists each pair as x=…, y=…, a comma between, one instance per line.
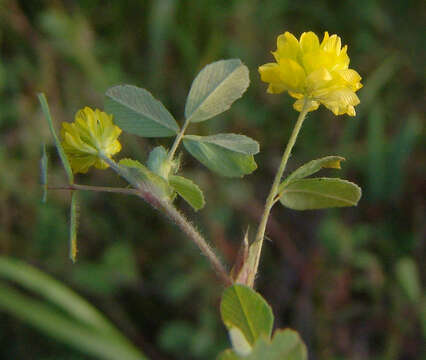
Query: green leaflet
x=145, y=176
x=215, y=88
x=239, y=342
x=320, y=193
x=229, y=354
x=234, y=142
x=45, y=107
x=243, y=308
x=285, y=345
x=159, y=163
x=332, y=162
x=229, y=155
x=189, y=191
x=136, y=111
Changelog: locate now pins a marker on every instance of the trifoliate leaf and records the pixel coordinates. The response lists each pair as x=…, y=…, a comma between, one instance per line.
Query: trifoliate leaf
x=136, y=111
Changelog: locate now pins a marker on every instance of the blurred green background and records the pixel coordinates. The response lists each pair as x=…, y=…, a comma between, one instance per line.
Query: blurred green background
x=349, y=280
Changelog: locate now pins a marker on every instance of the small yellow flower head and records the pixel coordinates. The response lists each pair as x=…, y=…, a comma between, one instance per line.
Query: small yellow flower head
x=92, y=132
x=313, y=71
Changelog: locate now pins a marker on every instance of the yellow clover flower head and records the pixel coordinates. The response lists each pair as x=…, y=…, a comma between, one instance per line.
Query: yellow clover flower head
x=91, y=133
x=313, y=71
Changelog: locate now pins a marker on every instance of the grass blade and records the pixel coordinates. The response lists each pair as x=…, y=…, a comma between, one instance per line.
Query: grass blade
x=33, y=279
x=61, y=152
x=55, y=324
x=74, y=226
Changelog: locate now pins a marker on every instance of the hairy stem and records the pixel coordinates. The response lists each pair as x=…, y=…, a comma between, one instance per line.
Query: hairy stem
x=165, y=207
x=256, y=247
x=199, y=240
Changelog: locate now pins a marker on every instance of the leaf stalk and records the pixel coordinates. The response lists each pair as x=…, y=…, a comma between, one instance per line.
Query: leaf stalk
x=178, y=139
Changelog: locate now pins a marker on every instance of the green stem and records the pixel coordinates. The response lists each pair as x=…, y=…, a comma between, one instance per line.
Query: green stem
x=178, y=139
x=95, y=188
x=256, y=247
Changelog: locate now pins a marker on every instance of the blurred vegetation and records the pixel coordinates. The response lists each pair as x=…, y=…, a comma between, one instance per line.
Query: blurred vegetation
x=349, y=280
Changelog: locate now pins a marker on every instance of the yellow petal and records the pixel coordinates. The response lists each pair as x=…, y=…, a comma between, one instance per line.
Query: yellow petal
x=350, y=110
x=82, y=164
x=113, y=148
x=342, y=60
x=292, y=75
x=296, y=95
x=276, y=88
x=100, y=164
x=325, y=39
x=76, y=143
x=309, y=42
x=110, y=132
x=93, y=123
x=318, y=78
x=311, y=105
x=270, y=73
x=287, y=47
x=351, y=78
x=333, y=44
x=310, y=62
x=341, y=101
